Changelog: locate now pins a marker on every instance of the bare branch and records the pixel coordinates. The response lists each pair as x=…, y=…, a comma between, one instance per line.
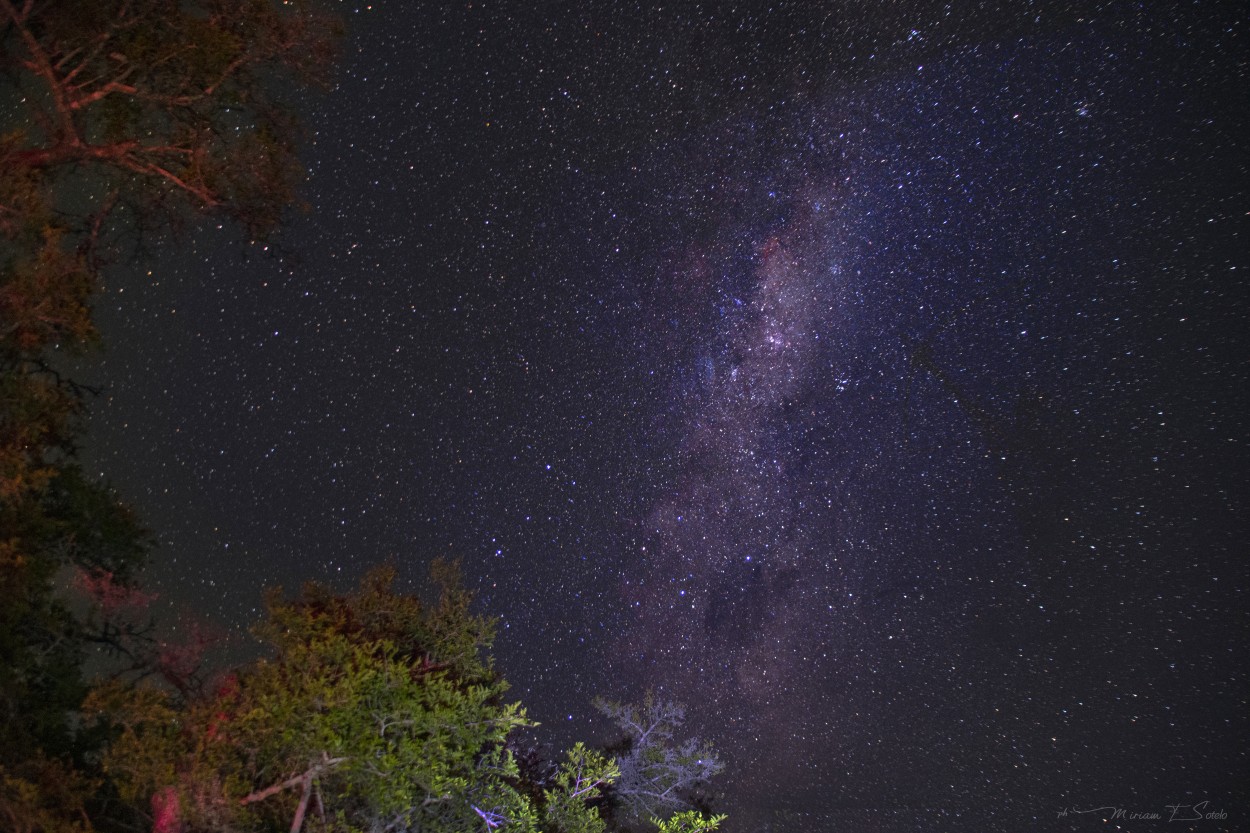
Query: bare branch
x=294, y=781
x=41, y=64
x=298, y=821
x=77, y=101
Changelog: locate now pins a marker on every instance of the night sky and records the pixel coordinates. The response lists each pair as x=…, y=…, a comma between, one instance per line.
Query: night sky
x=868, y=376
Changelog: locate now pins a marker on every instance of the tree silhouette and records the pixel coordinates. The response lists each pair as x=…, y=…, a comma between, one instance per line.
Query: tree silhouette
x=123, y=119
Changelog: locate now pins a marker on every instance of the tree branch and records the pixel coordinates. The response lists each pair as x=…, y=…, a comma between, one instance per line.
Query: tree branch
x=294, y=781
x=298, y=821
x=41, y=65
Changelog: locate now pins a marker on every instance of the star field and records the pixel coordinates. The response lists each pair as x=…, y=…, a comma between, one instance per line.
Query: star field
x=872, y=380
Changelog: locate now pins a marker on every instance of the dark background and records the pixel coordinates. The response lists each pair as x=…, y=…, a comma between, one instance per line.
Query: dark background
x=869, y=377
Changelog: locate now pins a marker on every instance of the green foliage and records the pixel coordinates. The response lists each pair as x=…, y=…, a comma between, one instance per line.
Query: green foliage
x=690, y=821
x=376, y=711
x=580, y=781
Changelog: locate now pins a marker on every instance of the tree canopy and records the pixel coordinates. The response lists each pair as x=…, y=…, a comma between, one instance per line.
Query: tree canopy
x=374, y=712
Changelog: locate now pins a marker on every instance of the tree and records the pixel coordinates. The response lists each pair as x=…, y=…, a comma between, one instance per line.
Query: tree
x=129, y=118
x=376, y=712
x=657, y=775
x=123, y=119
